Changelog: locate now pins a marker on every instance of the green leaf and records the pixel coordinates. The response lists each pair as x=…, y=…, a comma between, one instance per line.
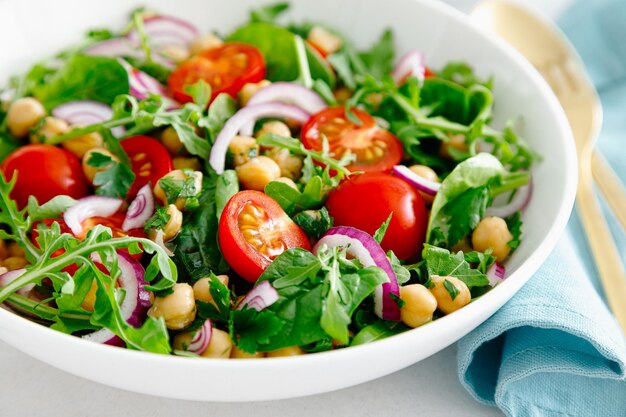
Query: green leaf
x=269, y=13
x=452, y=290
x=227, y=186
x=52, y=209
x=253, y=330
x=314, y=222
x=84, y=78
x=514, y=224
x=377, y=331
x=219, y=309
x=220, y=110
x=116, y=178
x=379, y=235
x=379, y=59
x=158, y=220
x=442, y=263
x=200, y=93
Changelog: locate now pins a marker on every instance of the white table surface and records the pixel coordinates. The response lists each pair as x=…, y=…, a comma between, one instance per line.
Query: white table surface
x=429, y=388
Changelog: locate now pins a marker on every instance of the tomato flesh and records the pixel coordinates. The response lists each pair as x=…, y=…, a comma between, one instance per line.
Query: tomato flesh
x=365, y=201
x=44, y=171
x=376, y=149
x=226, y=68
x=253, y=231
x=149, y=159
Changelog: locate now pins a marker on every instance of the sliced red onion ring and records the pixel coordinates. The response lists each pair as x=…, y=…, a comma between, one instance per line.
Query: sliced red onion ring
x=142, y=85
x=83, y=112
x=136, y=301
x=91, y=206
x=248, y=114
x=166, y=31
x=260, y=297
x=288, y=93
x=495, y=274
x=519, y=202
x=422, y=184
x=140, y=210
x=10, y=276
x=364, y=248
x=411, y=64
x=201, y=339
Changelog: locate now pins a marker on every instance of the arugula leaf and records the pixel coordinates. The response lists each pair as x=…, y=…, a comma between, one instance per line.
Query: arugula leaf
x=463, y=74
x=220, y=110
x=294, y=201
x=200, y=93
x=268, y=13
x=377, y=331
x=514, y=224
x=84, y=78
x=52, y=209
x=483, y=259
x=116, y=178
x=379, y=59
x=465, y=211
x=379, y=235
x=314, y=222
x=158, y=220
x=452, y=290
x=403, y=275
x=441, y=262
x=227, y=186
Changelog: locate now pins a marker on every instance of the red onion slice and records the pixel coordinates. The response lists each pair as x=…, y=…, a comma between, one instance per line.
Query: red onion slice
x=142, y=85
x=83, y=112
x=201, y=339
x=260, y=297
x=496, y=274
x=519, y=202
x=166, y=31
x=288, y=93
x=91, y=206
x=411, y=64
x=248, y=114
x=364, y=248
x=140, y=210
x=10, y=276
x=136, y=301
x=422, y=184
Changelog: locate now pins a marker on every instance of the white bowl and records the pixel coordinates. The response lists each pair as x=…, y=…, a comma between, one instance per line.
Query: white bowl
x=33, y=29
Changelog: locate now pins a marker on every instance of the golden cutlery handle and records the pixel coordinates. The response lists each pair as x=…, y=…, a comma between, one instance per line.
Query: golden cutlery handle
x=608, y=261
x=611, y=186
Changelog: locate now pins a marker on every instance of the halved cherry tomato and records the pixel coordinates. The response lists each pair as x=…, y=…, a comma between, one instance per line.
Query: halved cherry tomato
x=150, y=161
x=376, y=149
x=365, y=201
x=44, y=171
x=226, y=68
x=254, y=230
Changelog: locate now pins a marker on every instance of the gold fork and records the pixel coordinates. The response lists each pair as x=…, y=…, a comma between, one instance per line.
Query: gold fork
x=548, y=50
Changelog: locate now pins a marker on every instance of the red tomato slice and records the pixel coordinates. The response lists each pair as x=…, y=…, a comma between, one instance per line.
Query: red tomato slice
x=150, y=161
x=226, y=68
x=44, y=171
x=376, y=149
x=254, y=230
x=365, y=201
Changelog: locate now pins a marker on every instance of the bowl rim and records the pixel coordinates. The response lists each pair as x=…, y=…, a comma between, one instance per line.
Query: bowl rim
x=512, y=284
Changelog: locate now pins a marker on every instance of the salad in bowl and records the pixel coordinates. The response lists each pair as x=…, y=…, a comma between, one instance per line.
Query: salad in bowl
x=271, y=191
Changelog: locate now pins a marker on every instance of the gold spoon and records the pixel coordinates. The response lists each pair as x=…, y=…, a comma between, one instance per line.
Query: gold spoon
x=541, y=42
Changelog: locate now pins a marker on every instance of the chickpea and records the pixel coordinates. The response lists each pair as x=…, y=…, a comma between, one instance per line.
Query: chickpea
x=14, y=249
x=237, y=353
x=257, y=173
x=250, y=89
x=171, y=141
x=342, y=94
x=445, y=303
x=275, y=127
x=24, y=114
x=324, y=40
x=287, y=351
x=173, y=225
x=243, y=149
x=287, y=181
x=175, y=53
x=80, y=145
x=290, y=165
x=178, y=308
x=492, y=232
x=419, y=305
x=201, y=288
x=456, y=142
x=89, y=301
x=14, y=262
x=205, y=42
x=428, y=174
x=462, y=245
x=51, y=127
x=89, y=171
x=178, y=175
x=180, y=162
x=220, y=345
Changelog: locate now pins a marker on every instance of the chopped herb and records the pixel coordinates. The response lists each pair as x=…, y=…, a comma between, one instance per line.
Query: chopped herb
x=451, y=288
x=159, y=219
x=115, y=179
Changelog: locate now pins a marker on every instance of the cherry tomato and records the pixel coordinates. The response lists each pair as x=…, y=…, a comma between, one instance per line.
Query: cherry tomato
x=226, y=68
x=150, y=161
x=376, y=149
x=44, y=171
x=254, y=230
x=365, y=201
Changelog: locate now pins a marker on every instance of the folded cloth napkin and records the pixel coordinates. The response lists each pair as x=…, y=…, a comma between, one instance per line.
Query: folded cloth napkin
x=555, y=349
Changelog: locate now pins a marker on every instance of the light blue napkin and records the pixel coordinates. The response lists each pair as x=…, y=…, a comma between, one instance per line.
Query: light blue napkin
x=554, y=349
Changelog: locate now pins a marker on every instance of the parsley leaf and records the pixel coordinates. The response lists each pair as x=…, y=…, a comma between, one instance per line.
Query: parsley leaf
x=441, y=262
x=451, y=288
x=158, y=220
x=116, y=178
x=219, y=308
x=514, y=224
x=379, y=235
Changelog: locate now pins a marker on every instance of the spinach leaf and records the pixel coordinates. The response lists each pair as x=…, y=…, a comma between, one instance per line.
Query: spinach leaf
x=514, y=224
x=314, y=222
x=84, y=78
x=278, y=46
x=377, y=331
x=294, y=201
x=463, y=74
x=227, y=186
x=197, y=252
x=439, y=261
